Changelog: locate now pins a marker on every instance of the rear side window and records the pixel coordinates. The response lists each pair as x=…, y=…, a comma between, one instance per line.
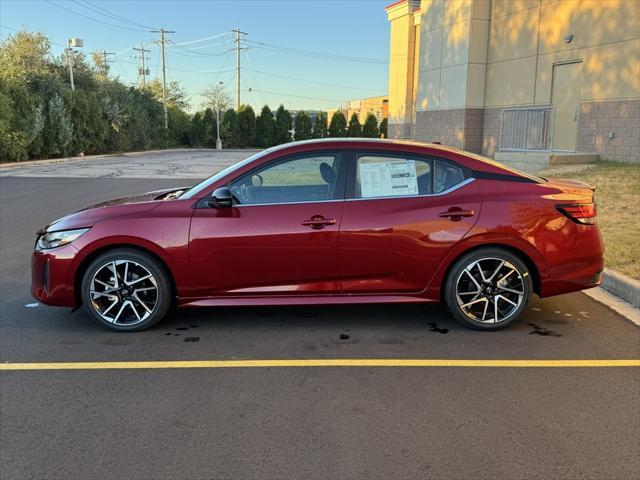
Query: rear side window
x=446, y=176
x=391, y=176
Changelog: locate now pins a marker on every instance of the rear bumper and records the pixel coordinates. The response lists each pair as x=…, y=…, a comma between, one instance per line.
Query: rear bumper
x=581, y=266
x=53, y=276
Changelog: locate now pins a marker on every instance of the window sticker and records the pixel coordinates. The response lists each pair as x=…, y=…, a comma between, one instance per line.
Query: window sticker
x=388, y=179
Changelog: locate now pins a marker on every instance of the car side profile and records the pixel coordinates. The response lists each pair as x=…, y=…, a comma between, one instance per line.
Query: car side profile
x=329, y=222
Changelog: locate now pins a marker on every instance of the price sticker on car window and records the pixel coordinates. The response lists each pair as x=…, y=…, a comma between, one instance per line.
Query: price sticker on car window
x=388, y=179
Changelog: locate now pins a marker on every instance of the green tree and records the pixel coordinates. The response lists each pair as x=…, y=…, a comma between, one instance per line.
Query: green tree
x=338, y=125
x=354, y=129
x=41, y=117
x=216, y=98
x=59, y=127
x=24, y=55
x=282, y=128
x=383, y=128
x=302, y=126
x=209, y=128
x=197, y=130
x=370, y=128
x=176, y=95
x=265, y=125
x=229, y=129
x=246, y=126
x=320, y=129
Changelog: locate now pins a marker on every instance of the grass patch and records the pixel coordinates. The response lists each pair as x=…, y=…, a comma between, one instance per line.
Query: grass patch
x=618, y=201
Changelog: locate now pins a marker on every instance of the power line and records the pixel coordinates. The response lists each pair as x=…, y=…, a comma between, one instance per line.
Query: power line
x=106, y=13
x=18, y=31
x=193, y=53
x=314, y=54
x=297, y=96
x=203, y=39
x=92, y=18
x=314, y=82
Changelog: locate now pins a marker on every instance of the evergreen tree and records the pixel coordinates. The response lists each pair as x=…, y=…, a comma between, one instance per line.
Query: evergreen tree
x=209, y=129
x=302, y=126
x=383, y=128
x=265, y=125
x=282, y=130
x=229, y=129
x=355, y=129
x=320, y=127
x=197, y=133
x=246, y=127
x=338, y=126
x=370, y=128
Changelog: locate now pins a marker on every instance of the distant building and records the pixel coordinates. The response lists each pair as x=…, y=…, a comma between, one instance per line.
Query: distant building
x=502, y=77
x=378, y=106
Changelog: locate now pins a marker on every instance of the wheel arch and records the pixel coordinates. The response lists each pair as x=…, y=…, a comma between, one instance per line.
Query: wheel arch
x=86, y=261
x=520, y=253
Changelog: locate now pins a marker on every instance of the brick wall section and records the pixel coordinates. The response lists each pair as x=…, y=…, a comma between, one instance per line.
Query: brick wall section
x=473, y=128
x=491, y=131
x=444, y=126
x=399, y=130
x=599, y=118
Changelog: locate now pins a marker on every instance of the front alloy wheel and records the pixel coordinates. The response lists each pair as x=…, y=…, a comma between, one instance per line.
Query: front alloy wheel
x=488, y=289
x=126, y=290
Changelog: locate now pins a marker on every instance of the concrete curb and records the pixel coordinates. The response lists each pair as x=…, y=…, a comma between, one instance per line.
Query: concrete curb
x=622, y=286
x=47, y=161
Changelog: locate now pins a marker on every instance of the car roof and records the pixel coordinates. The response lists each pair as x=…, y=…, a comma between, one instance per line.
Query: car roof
x=468, y=159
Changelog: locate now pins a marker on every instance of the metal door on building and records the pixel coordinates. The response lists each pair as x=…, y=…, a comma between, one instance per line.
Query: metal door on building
x=565, y=97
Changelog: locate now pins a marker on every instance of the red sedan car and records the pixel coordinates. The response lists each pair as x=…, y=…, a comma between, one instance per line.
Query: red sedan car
x=329, y=222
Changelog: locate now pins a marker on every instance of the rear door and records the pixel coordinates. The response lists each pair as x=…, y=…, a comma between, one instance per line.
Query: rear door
x=404, y=214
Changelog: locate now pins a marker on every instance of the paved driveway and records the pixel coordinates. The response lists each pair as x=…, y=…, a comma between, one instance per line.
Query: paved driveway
x=291, y=422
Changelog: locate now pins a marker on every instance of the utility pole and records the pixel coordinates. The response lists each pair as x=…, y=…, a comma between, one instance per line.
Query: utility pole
x=142, y=71
x=238, y=48
x=162, y=31
x=105, y=60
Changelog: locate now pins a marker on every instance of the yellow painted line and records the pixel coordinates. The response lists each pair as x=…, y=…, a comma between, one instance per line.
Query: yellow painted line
x=349, y=362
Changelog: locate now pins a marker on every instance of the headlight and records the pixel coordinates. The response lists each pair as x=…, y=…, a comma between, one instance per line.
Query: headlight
x=57, y=239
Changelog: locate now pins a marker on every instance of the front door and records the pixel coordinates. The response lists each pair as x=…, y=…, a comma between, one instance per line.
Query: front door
x=280, y=236
x=565, y=98
x=405, y=215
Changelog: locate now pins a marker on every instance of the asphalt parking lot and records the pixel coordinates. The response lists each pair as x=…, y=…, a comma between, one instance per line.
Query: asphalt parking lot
x=291, y=422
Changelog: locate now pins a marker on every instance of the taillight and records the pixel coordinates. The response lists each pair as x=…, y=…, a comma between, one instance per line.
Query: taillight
x=584, y=213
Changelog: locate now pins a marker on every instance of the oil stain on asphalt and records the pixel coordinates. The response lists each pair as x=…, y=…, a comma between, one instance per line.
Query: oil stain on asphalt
x=433, y=327
x=543, y=331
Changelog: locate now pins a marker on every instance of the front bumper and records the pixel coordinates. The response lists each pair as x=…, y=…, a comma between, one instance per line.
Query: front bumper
x=53, y=276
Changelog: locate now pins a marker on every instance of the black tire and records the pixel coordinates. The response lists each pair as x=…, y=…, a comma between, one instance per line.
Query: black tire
x=156, y=302
x=460, y=282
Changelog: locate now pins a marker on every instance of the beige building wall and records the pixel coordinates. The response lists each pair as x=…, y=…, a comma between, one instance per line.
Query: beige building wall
x=477, y=57
x=404, y=26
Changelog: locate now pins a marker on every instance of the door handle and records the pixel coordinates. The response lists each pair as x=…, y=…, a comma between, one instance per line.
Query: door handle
x=318, y=221
x=456, y=213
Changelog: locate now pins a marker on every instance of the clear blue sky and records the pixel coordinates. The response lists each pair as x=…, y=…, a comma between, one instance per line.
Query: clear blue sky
x=339, y=27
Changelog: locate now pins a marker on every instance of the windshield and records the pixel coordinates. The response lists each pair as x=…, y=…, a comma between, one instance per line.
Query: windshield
x=196, y=189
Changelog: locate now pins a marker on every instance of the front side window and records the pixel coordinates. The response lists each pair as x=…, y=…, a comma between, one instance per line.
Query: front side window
x=391, y=176
x=308, y=178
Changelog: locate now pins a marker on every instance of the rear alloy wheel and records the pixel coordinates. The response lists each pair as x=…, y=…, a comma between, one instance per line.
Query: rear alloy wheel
x=488, y=289
x=126, y=290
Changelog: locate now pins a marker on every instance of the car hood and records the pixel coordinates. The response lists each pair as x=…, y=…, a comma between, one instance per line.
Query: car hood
x=118, y=207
